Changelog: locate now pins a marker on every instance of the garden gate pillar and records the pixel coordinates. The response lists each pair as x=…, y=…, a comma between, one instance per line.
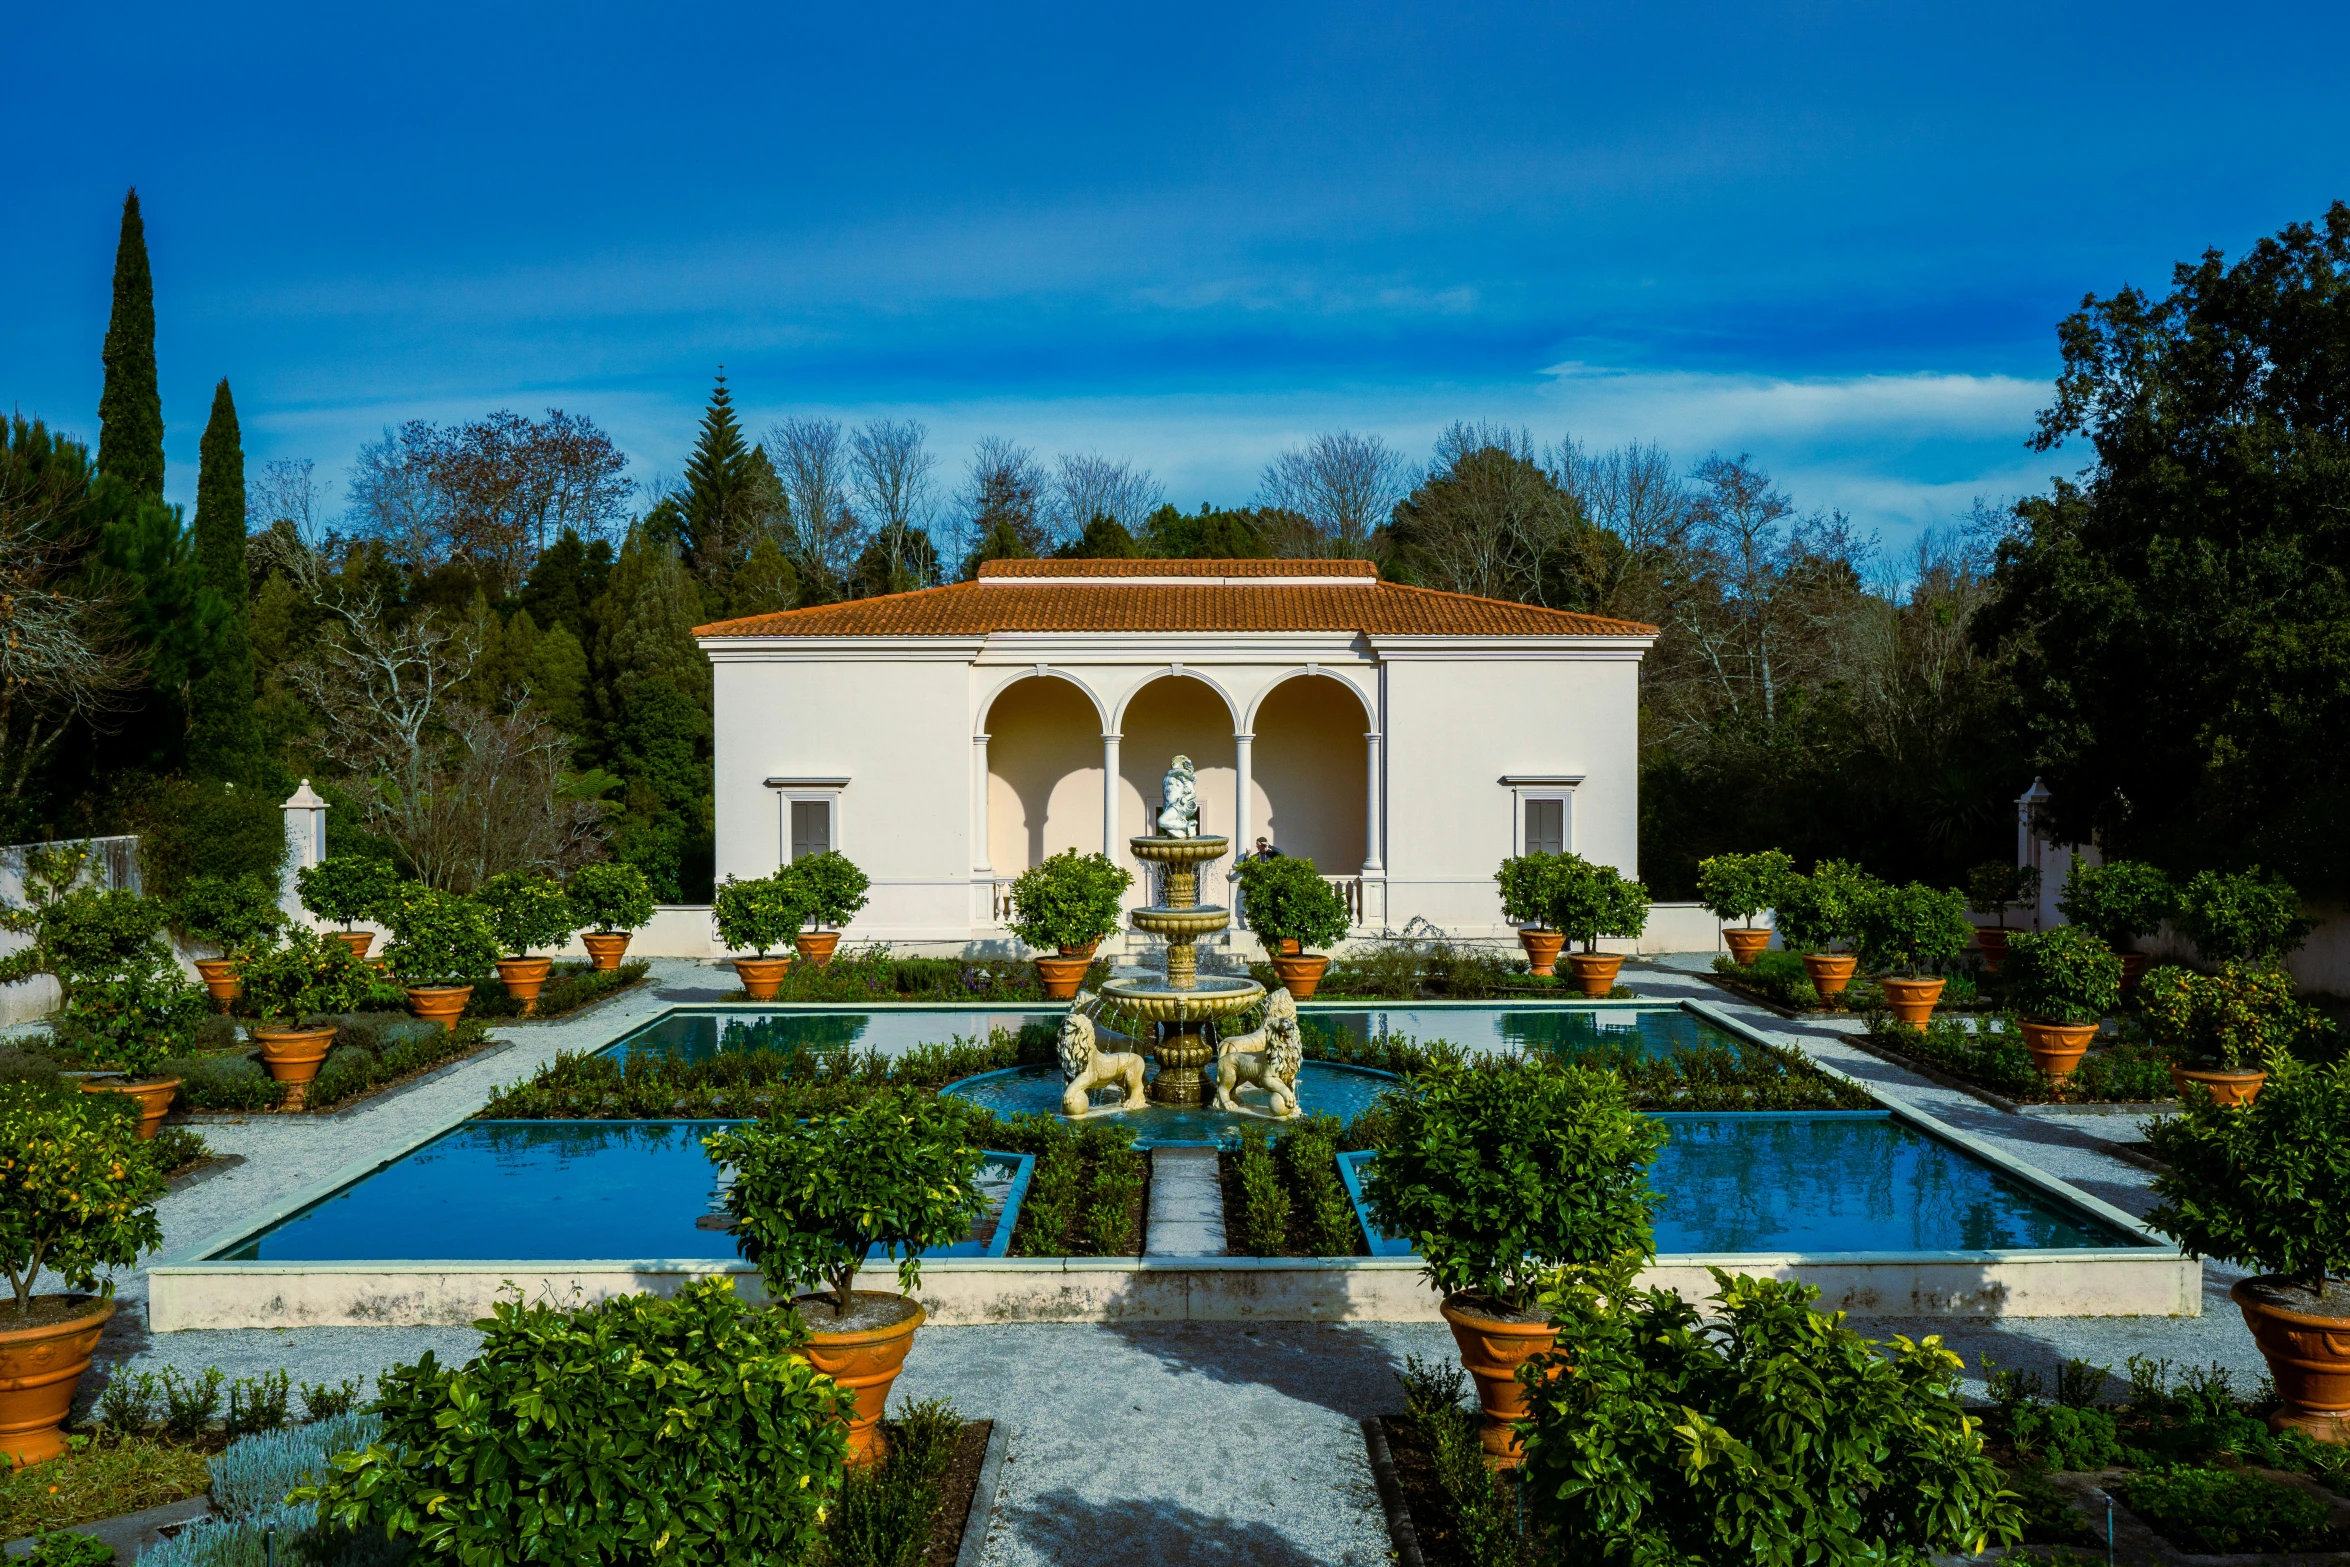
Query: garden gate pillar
x=305, y=847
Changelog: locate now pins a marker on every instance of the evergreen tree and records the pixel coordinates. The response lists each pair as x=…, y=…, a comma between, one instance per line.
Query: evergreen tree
x=729, y=488
x=652, y=700
x=766, y=583
x=1002, y=541
x=1104, y=538
x=130, y=409
x=222, y=738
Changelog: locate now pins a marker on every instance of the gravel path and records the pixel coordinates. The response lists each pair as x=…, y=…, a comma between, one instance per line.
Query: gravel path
x=1167, y=1445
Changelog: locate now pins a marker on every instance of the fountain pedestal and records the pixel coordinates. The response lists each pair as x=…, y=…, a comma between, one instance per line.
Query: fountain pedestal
x=1184, y=1003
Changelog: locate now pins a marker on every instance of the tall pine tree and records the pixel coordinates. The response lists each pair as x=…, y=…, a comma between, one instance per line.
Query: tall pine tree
x=729, y=489
x=130, y=409
x=223, y=740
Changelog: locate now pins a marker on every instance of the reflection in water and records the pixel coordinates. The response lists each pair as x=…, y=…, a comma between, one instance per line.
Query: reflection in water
x=698, y=1036
x=1592, y=1035
x=1323, y=1088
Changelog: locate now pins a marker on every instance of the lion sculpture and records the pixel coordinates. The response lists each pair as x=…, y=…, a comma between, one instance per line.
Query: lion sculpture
x=1268, y=1059
x=1085, y=1066
x=1179, y=812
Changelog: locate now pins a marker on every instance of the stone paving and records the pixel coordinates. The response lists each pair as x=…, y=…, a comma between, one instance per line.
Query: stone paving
x=1167, y=1444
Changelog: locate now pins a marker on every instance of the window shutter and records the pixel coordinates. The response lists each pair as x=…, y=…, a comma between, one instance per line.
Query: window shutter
x=1546, y=826
x=811, y=828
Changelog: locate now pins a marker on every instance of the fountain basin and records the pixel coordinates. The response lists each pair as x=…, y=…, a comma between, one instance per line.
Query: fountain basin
x=1323, y=1088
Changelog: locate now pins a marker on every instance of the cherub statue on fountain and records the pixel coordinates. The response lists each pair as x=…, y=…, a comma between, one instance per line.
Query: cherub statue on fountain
x=1179, y=810
x=1267, y=1059
x=1085, y=1066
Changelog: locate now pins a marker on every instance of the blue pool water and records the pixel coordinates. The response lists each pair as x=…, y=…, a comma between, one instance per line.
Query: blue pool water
x=1827, y=1181
x=1323, y=1088
x=1567, y=1031
x=553, y=1191
x=697, y=1036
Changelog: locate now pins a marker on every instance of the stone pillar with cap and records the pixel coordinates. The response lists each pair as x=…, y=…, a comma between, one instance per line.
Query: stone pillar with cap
x=305, y=847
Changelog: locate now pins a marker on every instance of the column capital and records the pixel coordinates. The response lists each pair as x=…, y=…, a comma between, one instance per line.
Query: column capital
x=1111, y=737
x=981, y=739
x=1244, y=736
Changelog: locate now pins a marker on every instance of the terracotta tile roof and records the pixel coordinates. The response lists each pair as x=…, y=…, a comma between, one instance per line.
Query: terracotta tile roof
x=998, y=570
x=973, y=609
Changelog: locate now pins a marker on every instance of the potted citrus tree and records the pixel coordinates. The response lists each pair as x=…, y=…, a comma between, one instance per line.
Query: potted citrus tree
x=289, y=986
x=2118, y=902
x=1911, y=929
x=759, y=914
x=1068, y=902
x=1738, y=887
x=227, y=915
x=2063, y=982
x=1529, y=900
x=612, y=899
x=133, y=1019
x=2266, y=1186
x=347, y=888
x=442, y=945
x=1819, y=910
x=1499, y=1177
x=2244, y=915
x=1594, y=901
x=77, y=1197
x=1993, y=888
x=830, y=889
x=2218, y=1028
x=82, y=933
x=526, y=909
x=814, y=1199
x=1291, y=908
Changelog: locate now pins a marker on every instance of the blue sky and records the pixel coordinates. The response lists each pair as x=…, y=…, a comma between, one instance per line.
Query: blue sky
x=1836, y=236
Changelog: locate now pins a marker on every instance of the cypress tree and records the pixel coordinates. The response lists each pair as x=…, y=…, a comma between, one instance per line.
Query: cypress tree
x=222, y=739
x=130, y=409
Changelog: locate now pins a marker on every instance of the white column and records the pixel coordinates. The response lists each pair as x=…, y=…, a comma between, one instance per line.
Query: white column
x=980, y=865
x=1371, y=861
x=305, y=847
x=1244, y=831
x=1110, y=833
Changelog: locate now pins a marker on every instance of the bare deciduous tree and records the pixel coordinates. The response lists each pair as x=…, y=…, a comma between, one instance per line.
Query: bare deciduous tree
x=892, y=469
x=1639, y=513
x=1004, y=485
x=1086, y=485
x=1342, y=483
x=288, y=490
x=1488, y=516
x=812, y=459
x=62, y=657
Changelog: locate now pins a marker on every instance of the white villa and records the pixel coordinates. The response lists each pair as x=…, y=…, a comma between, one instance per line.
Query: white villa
x=1407, y=740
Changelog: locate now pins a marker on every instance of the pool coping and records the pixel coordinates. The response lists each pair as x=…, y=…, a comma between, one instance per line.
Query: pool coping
x=189, y=1290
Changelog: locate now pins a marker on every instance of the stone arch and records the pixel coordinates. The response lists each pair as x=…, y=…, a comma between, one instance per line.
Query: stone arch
x=1178, y=672
x=1044, y=771
x=1165, y=715
x=1308, y=768
x=1370, y=718
x=1041, y=672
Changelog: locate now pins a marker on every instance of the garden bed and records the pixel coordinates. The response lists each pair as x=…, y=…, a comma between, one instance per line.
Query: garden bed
x=373, y=1053
x=570, y=987
x=873, y=974
x=1989, y=1060
x=1738, y=1074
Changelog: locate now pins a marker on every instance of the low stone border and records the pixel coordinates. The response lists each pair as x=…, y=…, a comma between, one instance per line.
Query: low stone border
x=1400, y=1534
x=130, y=1533
x=980, y=1515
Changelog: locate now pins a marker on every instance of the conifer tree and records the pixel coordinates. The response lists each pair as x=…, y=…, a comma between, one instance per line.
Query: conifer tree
x=719, y=504
x=222, y=736
x=130, y=409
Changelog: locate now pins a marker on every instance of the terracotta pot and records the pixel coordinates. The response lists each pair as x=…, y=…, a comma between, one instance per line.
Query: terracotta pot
x=1912, y=1000
x=1301, y=975
x=2057, y=1048
x=1746, y=945
x=222, y=979
x=866, y=1363
x=2309, y=1358
x=357, y=940
x=2133, y=969
x=154, y=1097
x=292, y=1056
x=1086, y=951
x=604, y=947
x=1492, y=1351
x=762, y=977
x=1061, y=976
x=1286, y=948
x=1595, y=971
x=524, y=978
x=1992, y=939
x=442, y=1004
x=1830, y=972
x=817, y=946
x=2226, y=1088
x=1542, y=949
x=39, y=1369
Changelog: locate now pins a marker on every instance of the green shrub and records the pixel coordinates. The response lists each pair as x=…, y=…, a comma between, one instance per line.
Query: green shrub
x=612, y=896
x=189, y=829
x=526, y=910
x=1764, y=1432
x=1567, y=893
x=347, y=888
x=1823, y=908
x=69, y=1550
x=1530, y=889
x=2264, y=1186
x=1264, y=1200
x=1740, y=886
x=1287, y=900
x=77, y=1190
x=236, y=1082
x=641, y=1429
x=569, y=987
x=1083, y=1190
x=83, y=932
x=1498, y=1178
x=1995, y=886
x=1911, y=928
x=2246, y=915
x=1069, y=900
x=885, y=1512
x=132, y=1018
x=2219, y=1512
x=812, y=1198
x=2226, y=1019
x=305, y=974
x=228, y=916
x=828, y=887
x=759, y=915
x=438, y=938
x=2065, y=975
x=2118, y=901
x=2065, y=1438
x=1480, y=1505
